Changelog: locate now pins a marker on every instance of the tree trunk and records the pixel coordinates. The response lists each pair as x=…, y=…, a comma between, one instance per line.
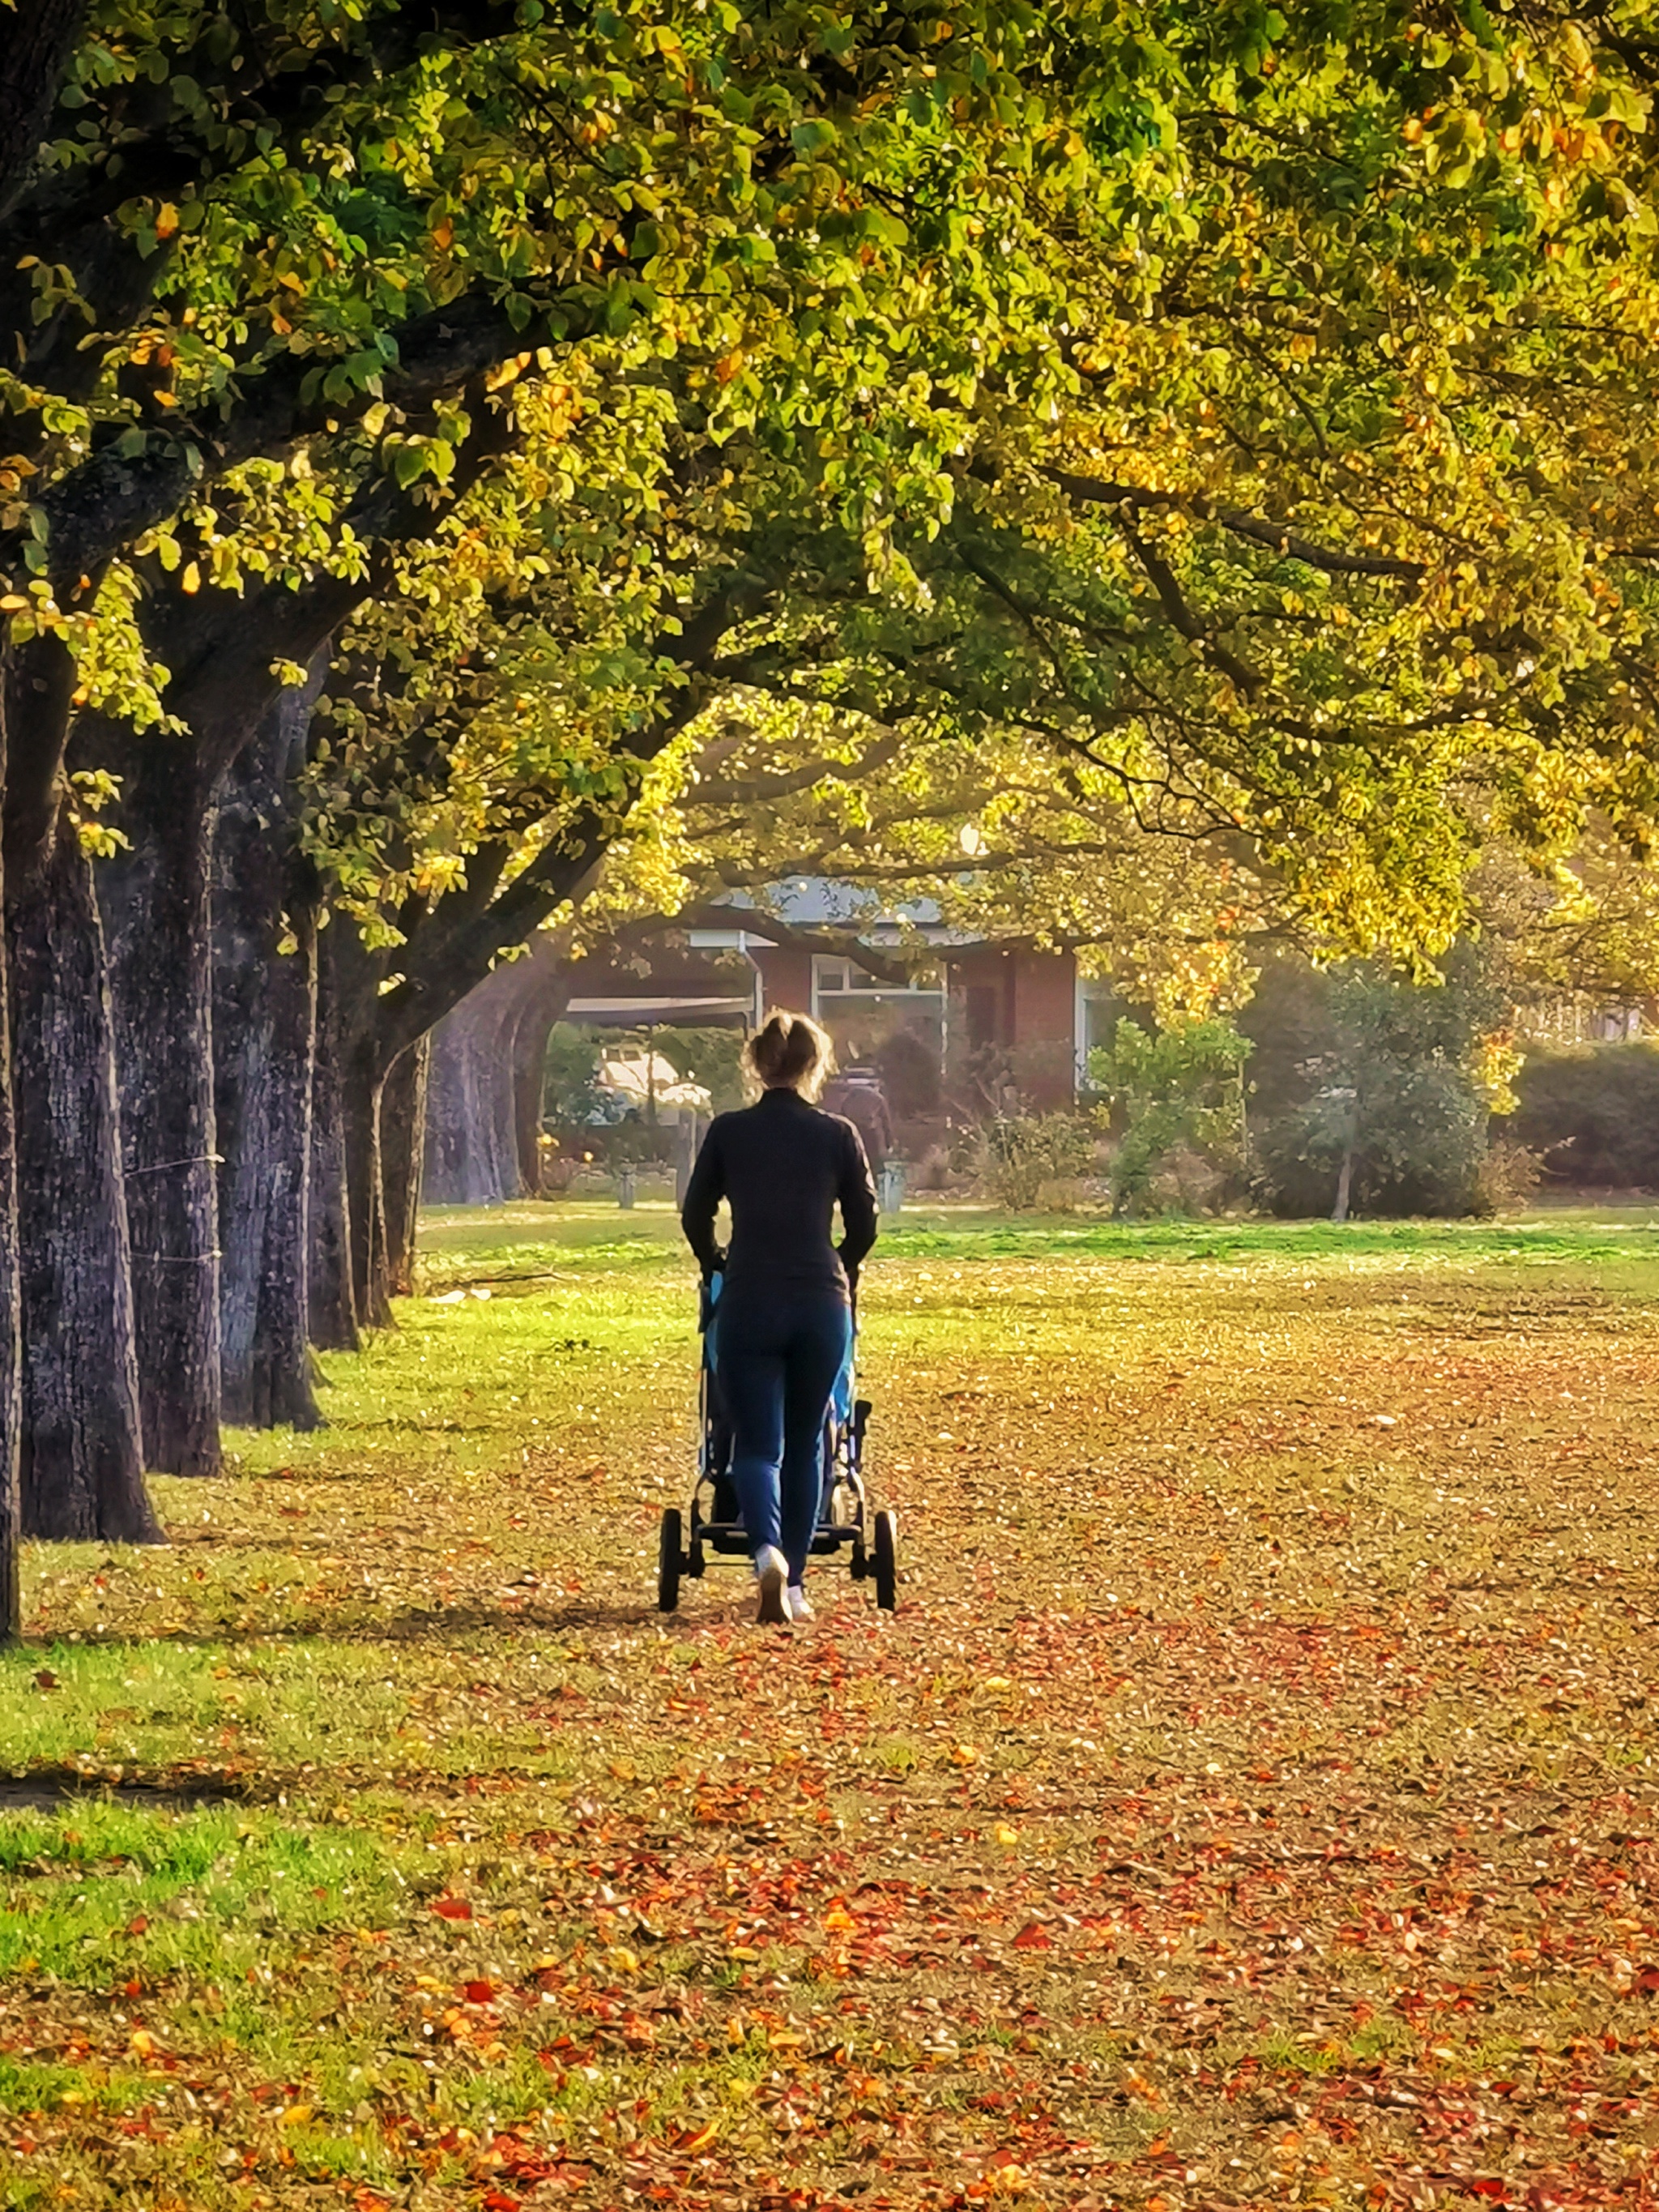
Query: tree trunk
x=537, y=1016
x=156, y=910
x=40, y=37
x=265, y=1014
x=361, y=1087
x=1343, y=1185
x=11, y=1513
x=403, y=1161
x=330, y=1297
x=12, y=1523
x=484, y=1110
x=464, y=1165
x=82, y=1459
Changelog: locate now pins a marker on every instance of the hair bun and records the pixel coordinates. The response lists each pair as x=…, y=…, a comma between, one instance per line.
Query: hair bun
x=790, y=1051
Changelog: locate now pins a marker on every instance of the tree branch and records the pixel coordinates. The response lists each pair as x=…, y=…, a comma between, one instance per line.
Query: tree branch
x=112, y=498
x=1095, y=491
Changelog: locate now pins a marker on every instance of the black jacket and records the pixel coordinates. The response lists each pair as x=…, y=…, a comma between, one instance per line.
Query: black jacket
x=784, y=1166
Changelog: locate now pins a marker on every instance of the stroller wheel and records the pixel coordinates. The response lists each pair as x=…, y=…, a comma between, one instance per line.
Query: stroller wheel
x=668, y=1561
x=886, y=1562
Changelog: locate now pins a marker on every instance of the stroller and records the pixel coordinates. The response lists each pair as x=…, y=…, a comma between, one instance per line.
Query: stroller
x=711, y=1522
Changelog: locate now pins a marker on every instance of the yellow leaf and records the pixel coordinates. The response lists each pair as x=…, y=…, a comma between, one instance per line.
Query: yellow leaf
x=295, y=2117
x=167, y=220
x=191, y=578
x=1007, y=1836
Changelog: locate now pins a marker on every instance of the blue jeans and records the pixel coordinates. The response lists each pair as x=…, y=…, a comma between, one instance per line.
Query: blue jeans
x=776, y=1359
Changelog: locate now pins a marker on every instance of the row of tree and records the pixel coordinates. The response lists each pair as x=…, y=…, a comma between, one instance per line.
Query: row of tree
x=471, y=467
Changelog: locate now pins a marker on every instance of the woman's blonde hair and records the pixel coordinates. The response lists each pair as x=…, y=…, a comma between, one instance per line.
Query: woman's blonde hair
x=790, y=1053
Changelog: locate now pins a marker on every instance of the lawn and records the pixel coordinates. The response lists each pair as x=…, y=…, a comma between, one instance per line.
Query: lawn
x=1252, y=1803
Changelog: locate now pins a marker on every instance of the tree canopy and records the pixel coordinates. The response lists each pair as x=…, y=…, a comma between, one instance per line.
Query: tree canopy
x=1141, y=475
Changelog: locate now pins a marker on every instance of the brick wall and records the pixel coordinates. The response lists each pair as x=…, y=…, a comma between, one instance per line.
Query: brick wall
x=787, y=974
x=1045, y=1016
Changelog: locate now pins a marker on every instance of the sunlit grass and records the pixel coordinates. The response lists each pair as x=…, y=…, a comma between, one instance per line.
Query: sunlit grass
x=1266, y=1585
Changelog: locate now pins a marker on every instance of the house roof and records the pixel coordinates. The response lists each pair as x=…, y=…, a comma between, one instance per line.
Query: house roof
x=823, y=903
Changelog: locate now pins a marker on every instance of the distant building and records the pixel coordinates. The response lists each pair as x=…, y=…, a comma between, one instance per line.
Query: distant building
x=974, y=1000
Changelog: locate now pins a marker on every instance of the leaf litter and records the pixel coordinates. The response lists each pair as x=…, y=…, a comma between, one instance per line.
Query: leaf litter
x=1252, y=1803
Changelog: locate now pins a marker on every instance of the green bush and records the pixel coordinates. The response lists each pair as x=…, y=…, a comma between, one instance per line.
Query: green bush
x=1592, y=1113
x=1176, y=1097
x=1419, y=1145
x=1018, y=1159
x=1401, y=1090
x=570, y=1089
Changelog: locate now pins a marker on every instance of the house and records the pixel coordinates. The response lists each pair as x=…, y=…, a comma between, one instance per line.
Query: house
x=966, y=1001
x=956, y=1023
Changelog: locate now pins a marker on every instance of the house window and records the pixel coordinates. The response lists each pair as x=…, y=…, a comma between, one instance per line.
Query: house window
x=863, y=1014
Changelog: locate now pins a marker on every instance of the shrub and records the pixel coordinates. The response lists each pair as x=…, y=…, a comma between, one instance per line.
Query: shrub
x=1419, y=1142
x=1508, y=1177
x=1591, y=1112
x=1023, y=1160
x=1399, y=1095
x=1176, y=1092
x=909, y=1070
x=933, y=1171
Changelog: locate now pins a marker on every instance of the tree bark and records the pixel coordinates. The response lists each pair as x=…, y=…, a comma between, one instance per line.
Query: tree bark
x=361, y=1087
x=403, y=1161
x=544, y=1007
x=155, y=901
x=82, y=1457
x=484, y=1113
x=471, y=1155
x=40, y=37
x=11, y=1525
x=330, y=1297
x=264, y=1018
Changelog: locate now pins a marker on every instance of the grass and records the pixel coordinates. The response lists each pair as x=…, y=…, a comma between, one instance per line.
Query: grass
x=1251, y=1804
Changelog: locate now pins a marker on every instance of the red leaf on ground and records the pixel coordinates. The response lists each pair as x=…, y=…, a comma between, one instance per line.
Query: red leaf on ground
x=452, y=1908
x=478, y=1992
x=1031, y=1938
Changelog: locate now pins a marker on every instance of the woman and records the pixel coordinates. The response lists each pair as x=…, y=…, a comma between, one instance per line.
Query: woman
x=785, y=1318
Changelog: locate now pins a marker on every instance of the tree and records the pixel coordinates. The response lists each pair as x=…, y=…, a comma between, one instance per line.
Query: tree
x=1181, y=1088
x=330, y=323
x=1159, y=372
x=1398, y=1100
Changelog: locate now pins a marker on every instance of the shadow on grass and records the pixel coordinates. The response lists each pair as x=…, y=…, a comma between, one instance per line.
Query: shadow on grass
x=48, y=1789
x=423, y=1626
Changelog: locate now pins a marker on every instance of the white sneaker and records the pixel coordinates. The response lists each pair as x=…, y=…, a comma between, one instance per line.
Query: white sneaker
x=772, y=1573
x=796, y=1598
